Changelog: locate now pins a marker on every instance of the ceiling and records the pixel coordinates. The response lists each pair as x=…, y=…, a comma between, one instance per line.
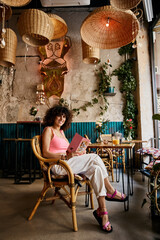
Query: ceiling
x=97, y=3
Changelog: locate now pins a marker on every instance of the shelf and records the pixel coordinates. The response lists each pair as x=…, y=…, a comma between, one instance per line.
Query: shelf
x=110, y=94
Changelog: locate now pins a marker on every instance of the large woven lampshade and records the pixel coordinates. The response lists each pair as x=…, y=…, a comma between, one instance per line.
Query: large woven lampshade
x=123, y=28
x=59, y=25
x=8, y=12
x=8, y=54
x=16, y=3
x=35, y=27
x=90, y=54
x=124, y=4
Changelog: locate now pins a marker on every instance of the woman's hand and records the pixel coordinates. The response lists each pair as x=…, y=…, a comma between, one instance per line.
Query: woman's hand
x=72, y=154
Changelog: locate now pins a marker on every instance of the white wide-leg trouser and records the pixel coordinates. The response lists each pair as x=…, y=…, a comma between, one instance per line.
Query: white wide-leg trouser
x=92, y=166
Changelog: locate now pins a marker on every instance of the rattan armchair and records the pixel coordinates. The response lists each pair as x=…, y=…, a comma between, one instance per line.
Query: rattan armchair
x=66, y=188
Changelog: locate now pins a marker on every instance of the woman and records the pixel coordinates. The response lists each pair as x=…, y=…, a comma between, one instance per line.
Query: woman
x=55, y=144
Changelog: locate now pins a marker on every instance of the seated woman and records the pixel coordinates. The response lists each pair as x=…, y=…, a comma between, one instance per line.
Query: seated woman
x=55, y=144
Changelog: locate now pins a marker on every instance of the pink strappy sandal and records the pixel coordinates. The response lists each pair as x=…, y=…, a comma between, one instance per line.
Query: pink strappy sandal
x=98, y=215
x=110, y=197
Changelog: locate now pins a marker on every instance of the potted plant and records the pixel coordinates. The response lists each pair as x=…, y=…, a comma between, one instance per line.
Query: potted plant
x=105, y=78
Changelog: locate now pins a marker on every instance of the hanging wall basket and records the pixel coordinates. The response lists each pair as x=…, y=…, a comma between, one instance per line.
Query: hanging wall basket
x=8, y=53
x=123, y=28
x=124, y=4
x=90, y=54
x=59, y=25
x=16, y=3
x=8, y=12
x=35, y=27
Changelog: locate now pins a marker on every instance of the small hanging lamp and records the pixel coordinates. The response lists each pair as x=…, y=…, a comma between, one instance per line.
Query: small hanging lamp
x=35, y=27
x=107, y=28
x=124, y=4
x=90, y=54
x=59, y=25
x=16, y=3
x=8, y=53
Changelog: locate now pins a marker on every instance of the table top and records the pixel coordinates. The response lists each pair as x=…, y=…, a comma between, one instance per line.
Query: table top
x=18, y=139
x=111, y=145
x=136, y=141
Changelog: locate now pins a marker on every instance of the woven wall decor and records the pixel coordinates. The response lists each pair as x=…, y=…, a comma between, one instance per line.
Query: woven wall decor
x=124, y=4
x=16, y=3
x=123, y=28
x=8, y=54
x=35, y=27
x=90, y=54
x=8, y=12
x=59, y=25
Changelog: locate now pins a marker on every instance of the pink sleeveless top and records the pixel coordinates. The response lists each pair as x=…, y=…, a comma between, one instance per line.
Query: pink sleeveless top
x=58, y=144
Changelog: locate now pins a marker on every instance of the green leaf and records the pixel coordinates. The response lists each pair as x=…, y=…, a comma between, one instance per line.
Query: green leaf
x=156, y=117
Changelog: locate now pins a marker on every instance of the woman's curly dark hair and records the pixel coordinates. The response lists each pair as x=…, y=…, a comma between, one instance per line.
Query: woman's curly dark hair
x=55, y=111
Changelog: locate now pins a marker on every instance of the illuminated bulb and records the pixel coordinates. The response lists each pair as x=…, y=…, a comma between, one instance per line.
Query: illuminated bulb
x=107, y=24
x=3, y=44
x=3, y=30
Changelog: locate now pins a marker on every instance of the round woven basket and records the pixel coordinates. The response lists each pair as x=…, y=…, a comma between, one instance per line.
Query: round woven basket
x=124, y=4
x=123, y=28
x=8, y=12
x=59, y=25
x=16, y=3
x=35, y=27
x=90, y=54
x=8, y=54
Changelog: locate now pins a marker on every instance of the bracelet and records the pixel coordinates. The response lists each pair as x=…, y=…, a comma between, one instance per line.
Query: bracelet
x=63, y=157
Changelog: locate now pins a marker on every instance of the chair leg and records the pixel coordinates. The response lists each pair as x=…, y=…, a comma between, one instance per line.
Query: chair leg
x=43, y=193
x=123, y=161
x=74, y=219
x=73, y=207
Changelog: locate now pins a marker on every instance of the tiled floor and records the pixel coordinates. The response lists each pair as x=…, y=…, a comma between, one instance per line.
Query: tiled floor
x=54, y=221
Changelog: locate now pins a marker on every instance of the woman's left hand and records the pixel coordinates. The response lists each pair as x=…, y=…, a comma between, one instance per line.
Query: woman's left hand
x=72, y=154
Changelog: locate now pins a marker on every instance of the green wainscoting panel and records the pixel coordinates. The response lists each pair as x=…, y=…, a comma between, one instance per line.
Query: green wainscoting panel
x=30, y=129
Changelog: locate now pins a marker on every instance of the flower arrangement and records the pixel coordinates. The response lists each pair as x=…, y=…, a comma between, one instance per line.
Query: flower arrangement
x=129, y=124
x=101, y=126
x=33, y=111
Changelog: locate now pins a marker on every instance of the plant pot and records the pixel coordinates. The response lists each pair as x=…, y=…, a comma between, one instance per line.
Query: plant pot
x=110, y=90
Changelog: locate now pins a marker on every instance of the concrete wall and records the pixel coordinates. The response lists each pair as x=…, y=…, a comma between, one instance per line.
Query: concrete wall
x=17, y=94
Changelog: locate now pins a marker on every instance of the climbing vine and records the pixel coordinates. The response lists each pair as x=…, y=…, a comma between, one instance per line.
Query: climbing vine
x=104, y=81
x=128, y=87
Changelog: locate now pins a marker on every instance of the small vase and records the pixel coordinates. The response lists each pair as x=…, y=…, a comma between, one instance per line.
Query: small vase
x=129, y=138
x=99, y=139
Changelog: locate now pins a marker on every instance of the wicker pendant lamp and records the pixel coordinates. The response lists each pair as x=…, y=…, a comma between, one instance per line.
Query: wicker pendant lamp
x=16, y=3
x=8, y=54
x=124, y=4
x=35, y=27
x=59, y=25
x=107, y=28
x=8, y=12
x=90, y=54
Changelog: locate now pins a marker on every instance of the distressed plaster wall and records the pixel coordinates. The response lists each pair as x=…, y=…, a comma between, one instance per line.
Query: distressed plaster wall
x=18, y=93
x=144, y=86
